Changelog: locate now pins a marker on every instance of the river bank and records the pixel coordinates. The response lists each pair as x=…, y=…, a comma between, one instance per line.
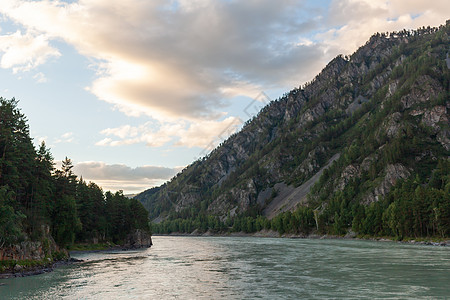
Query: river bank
x=30, y=268
x=350, y=236
x=23, y=268
x=33, y=258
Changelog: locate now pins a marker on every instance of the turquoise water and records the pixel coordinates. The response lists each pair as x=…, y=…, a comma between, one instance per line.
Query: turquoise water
x=246, y=267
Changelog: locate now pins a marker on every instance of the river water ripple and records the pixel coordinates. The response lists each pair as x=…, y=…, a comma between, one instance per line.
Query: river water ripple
x=246, y=268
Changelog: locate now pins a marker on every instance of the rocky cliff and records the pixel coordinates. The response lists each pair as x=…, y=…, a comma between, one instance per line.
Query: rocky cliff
x=43, y=249
x=138, y=239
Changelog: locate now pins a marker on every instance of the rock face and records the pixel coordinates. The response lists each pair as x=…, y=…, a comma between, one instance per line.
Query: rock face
x=289, y=197
x=22, y=251
x=138, y=239
x=46, y=248
x=292, y=138
x=393, y=174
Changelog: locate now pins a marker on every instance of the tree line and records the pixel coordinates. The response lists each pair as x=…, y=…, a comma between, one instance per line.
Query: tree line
x=34, y=194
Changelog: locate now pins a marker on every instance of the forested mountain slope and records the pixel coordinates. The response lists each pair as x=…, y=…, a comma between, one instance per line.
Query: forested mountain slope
x=378, y=118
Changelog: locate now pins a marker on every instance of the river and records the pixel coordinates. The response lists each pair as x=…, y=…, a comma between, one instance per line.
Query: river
x=246, y=267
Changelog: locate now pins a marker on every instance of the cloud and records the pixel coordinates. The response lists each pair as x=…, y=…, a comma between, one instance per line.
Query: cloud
x=67, y=135
x=23, y=52
x=41, y=139
x=352, y=22
x=122, y=177
x=178, y=59
x=40, y=77
x=203, y=133
x=103, y=171
x=65, y=138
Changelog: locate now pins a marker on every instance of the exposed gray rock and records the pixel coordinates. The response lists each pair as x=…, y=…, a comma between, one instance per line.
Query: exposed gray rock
x=32, y=250
x=310, y=165
x=356, y=104
x=138, y=239
x=289, y=197
x=392, y=125
x=444, y=138
x=368, y=161
x=243, y=196
x=437, y=119
x=434, y=116
x=393, y=173
x=424, y=89
x=349, y=172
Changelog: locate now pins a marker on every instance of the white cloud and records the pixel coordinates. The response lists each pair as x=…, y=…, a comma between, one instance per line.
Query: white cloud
x=40, y=77
x=203, y=133
x=41, y=139
x=23, y=52
x=104, y=142
x=208, y=134
x=122, y=177
x=67, y=137
x=354, y=21
x=177, y=60
x=103, y=171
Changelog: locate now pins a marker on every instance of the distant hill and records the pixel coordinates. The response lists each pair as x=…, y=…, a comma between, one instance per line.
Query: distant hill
x=363, y=146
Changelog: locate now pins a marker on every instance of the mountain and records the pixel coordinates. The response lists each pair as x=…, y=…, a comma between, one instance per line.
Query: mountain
x=367, y=137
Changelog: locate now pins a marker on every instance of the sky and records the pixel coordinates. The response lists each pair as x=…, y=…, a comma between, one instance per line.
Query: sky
x=133, y=91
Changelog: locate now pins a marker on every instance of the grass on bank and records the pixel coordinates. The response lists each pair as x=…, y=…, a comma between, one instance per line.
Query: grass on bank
x=27, y=264
x=90, y=247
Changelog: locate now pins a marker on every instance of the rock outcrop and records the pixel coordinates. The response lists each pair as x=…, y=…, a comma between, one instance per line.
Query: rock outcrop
x=392, y=174
x=45, y=248
x=138, y=239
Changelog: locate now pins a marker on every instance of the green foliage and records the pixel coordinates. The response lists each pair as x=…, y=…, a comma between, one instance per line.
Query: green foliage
x=8, y=265
x=123, y=215
x=33, y=194
x=299, y=222
x=65, y=220
x=411, y=209
x=10, y=220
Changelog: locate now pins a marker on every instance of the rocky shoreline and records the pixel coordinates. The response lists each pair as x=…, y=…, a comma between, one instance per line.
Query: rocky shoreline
x=29, y=258
x=275, y=234
x=20, y=271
